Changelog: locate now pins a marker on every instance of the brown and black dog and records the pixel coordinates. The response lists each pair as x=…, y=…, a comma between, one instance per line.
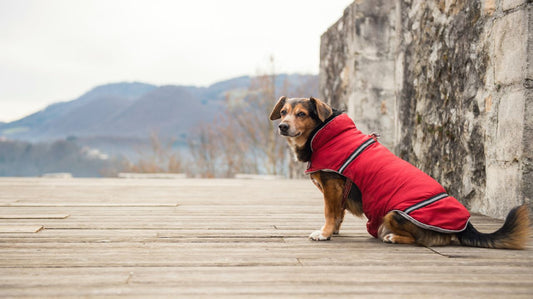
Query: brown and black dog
x=299, y=119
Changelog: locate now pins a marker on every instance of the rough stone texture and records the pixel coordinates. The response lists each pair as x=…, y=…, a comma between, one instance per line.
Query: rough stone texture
x=510, y=4
x=510, y=47
x=449, y=86
x=489, y=6
x=358, y=59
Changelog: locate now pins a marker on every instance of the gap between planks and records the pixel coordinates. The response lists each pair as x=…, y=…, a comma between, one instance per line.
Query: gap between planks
x=34, y=216
x=21, y=229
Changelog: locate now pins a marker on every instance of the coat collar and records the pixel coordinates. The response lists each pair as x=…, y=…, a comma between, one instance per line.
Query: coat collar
x=329, y=129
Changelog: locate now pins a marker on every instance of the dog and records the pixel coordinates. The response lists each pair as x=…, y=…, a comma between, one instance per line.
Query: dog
x=356, y=173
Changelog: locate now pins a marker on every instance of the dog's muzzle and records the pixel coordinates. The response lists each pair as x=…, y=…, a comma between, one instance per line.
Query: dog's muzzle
x=283, y=129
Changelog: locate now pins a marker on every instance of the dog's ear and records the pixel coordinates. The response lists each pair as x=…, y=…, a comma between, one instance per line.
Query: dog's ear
x=275, y=112
x=323, y=110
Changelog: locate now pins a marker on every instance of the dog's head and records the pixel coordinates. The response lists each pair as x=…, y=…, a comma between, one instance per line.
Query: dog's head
x=299, y=116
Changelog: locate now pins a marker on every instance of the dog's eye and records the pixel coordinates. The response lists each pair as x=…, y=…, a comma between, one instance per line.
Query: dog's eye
x=283, y=112
x=300, y=114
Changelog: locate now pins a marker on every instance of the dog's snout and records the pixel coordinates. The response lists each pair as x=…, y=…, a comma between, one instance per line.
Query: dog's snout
x=283, y=127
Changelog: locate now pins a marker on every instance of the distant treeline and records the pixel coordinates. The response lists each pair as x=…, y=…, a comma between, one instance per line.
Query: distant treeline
x=19, y=158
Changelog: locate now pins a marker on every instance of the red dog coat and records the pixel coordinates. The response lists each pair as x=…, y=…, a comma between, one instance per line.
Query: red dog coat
x=387, y=183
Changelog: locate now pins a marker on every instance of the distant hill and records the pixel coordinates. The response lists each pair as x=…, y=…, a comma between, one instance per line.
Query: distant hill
x=134, y=110
x=62, y=119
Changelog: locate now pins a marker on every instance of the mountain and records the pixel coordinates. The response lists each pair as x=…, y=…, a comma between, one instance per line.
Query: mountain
x=134, y=110
x=167, y=110
x=60, y=120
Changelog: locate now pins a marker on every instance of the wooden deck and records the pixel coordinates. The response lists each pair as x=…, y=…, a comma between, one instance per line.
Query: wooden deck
x=222, y=238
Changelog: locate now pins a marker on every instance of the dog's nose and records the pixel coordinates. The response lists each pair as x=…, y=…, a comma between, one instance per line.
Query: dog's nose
x=283, y=127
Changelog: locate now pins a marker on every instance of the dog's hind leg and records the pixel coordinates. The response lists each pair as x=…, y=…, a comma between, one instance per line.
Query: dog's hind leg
x=396, y=229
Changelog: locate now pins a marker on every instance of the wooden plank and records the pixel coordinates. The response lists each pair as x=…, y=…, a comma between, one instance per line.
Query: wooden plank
x=20, y=229
x=226, y=238
x=33, y=216
x=31, y=204
x=232, y=289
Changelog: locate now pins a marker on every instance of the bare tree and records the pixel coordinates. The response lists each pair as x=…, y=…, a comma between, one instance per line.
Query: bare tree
x=243, y=139
x=249, y=118
x=160, y=158
x=204, y=151
x=235, y=156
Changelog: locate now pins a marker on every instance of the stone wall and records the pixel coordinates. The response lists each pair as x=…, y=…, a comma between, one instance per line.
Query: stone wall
x=448, y=85
x=357, y=66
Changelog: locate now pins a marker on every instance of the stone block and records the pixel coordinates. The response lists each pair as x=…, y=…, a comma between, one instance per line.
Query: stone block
x=503, y=191
x=370, y=30
x=489, y=7
x=374, y=74
x=510, y=128
x=529, y=72
x=510, y=4
x=527, y=157
x=510, y=48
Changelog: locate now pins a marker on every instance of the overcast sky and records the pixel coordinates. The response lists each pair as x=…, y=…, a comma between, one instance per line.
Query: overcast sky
x=53, y=50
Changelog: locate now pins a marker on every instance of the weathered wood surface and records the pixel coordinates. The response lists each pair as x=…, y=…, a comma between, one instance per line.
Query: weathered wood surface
x=222, y=238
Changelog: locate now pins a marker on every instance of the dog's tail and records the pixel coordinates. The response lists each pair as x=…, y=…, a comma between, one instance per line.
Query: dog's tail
x=512, y=235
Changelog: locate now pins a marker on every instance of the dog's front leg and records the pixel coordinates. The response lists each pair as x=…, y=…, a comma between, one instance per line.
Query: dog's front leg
x=332, y=188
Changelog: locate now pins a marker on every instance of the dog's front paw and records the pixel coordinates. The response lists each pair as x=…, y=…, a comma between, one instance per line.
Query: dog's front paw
x=317, y=236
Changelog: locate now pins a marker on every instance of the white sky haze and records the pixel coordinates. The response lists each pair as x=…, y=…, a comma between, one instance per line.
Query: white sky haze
x=54, y=50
